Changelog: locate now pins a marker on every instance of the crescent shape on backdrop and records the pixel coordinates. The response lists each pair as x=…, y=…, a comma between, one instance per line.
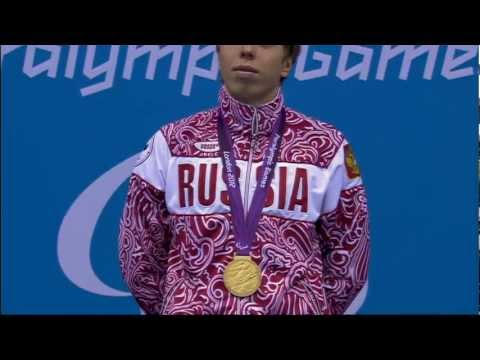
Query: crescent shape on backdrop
x=76, y=231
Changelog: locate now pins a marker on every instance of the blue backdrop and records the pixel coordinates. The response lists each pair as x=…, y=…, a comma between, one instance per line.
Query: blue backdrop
x=74, y=116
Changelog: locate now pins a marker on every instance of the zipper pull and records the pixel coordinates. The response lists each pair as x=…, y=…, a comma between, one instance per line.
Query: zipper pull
x=254, y=125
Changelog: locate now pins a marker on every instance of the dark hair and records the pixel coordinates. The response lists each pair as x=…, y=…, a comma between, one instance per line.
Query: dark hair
x=293, y=52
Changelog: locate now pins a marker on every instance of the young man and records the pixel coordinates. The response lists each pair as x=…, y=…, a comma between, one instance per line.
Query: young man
x=247, y=208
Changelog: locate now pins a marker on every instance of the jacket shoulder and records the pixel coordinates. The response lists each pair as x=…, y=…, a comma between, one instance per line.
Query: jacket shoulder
x=315, y=141
x=182, y=135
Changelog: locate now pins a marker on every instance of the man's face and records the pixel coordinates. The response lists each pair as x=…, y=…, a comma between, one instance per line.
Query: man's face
x=252, y=73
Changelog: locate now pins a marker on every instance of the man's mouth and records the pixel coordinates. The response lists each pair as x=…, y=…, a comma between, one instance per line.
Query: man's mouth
x=245, y=68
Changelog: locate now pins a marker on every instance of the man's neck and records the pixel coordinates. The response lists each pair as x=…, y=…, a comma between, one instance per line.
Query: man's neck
x=258, y=101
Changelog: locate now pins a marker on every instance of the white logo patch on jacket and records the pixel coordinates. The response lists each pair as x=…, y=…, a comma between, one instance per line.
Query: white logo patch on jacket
x=207, y=146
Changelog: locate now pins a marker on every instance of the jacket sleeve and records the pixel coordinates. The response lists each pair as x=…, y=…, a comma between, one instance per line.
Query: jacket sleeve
x=344, y=232
x=144, y=233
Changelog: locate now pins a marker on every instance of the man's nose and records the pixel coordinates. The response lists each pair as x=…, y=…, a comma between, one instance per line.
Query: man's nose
x=247, y=51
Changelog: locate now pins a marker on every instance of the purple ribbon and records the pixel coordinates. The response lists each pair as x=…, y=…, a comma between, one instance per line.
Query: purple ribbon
x=244, y=229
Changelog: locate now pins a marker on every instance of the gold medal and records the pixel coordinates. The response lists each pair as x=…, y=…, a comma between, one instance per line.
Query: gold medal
x=242, y=276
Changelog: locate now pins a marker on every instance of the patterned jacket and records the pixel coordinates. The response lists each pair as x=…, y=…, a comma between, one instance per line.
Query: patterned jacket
x=312, y=240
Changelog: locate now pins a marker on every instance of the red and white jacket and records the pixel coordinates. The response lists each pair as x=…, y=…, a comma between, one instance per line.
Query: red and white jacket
x=312, y=241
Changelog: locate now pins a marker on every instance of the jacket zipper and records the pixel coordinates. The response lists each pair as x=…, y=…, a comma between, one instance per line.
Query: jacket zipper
x=246, y=197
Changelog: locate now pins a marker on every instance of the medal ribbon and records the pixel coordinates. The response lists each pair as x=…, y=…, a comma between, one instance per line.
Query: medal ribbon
x=244, y=229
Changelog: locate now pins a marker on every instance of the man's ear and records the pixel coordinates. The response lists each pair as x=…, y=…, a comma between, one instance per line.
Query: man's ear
x=287, y=66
